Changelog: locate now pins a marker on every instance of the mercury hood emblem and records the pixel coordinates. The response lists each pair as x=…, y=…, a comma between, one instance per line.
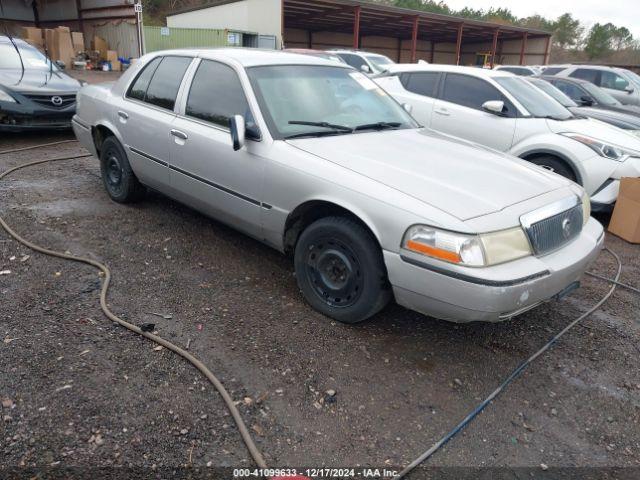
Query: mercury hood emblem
x=566, y=228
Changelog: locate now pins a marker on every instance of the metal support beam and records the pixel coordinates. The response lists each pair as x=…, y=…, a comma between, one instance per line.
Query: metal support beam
x=494, y=47
x=356, y=27
x=433, y=51
x=459, y=44
x=547, y=51
x=523, y=47
x=414, y=39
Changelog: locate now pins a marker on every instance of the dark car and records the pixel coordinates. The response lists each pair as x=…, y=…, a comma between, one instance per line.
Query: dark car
x=621, y=118
x=34, y=93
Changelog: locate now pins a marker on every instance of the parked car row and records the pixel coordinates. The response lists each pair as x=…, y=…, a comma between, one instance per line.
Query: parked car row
x=318, y=160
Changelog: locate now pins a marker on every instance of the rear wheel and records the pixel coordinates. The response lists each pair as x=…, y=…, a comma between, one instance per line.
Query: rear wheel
x=555, y=165
x=340, y=270
x=118, y=177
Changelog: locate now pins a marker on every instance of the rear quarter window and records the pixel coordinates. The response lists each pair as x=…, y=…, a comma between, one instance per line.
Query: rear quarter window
x=423, y=83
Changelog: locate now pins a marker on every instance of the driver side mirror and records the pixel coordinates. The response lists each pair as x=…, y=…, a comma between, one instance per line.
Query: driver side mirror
x=586, y=100
x=365, y=68
x=60, y=64
x=495, y=107
x=628, y=89
x=238, y=130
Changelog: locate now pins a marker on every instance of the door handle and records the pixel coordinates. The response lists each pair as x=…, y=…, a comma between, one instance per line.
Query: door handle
x=443, y=112
x=123, y=115
x=179, y=134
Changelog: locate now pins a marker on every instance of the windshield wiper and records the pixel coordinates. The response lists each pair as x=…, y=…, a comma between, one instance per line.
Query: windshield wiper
x=321, y=133
x=322, y=124
x=377, y=126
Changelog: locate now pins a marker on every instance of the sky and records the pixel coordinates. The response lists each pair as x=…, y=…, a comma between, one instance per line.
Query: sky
x=619, y=12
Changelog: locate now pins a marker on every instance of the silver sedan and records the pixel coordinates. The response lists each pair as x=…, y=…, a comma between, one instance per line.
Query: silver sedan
x=314, y=159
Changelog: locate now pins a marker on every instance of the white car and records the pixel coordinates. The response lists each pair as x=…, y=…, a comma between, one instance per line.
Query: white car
x=367, y=62
x=507, y=113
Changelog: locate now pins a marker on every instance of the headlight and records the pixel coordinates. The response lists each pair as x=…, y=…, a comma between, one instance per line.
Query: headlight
x=606, y=150
x=5, y=97
x=586, y=208
x=468, y=250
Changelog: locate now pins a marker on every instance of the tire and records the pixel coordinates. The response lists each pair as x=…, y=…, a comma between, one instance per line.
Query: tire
x=119, y=180
x=340, y=270
x=555, y=165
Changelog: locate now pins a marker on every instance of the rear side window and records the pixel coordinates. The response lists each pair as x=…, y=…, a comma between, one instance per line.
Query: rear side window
x=422, y=83
x=586, y=74
x=166, y=81
x=471, y=92
x=216, y=95
x=138, y=89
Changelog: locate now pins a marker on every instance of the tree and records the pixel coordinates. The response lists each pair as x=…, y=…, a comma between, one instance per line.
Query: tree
x=566, y=31
x=622, y=38
x=599, y=40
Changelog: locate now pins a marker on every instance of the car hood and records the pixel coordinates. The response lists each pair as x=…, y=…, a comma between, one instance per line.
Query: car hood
x=457, y=177
x=37, y=81
x=596, y=129
x=617, y=118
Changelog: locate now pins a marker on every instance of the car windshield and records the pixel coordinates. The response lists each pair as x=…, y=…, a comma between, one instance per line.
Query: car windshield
x=599, y=95
x=310, y=100
x=553, y=92
x=539, y=104
x=634, y=77
x=32, y=58
x=379, y=62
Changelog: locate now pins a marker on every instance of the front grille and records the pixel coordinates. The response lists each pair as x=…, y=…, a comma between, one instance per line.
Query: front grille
x=47, y=100
x=552, y=233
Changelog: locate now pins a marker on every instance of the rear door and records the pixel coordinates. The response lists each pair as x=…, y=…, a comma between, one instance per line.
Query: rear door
x=145, y=115
x=458, y=111
x=420, y=90
x=205, y=171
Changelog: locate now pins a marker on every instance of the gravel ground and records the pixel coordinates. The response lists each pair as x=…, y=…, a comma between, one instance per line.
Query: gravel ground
x=79, y=392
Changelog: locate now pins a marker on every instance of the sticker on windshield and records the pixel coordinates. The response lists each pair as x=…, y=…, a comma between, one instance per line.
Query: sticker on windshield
x=363, y=80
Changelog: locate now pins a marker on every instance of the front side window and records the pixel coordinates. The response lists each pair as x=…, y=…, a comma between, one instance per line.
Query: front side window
x=538, y=103
x=613, y=81
x=354, y=60
x=586, y=74
x=309, y=100
x=553, y=92
x=380, y=62
x=166, y=81
x=216, y=95
x=422, y=83
x=553, y=70
x=572, y=90
x=472, y=92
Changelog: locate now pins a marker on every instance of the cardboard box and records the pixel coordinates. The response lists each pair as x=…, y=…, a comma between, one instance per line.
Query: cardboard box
x=32, y=35
x=625, y=221
x=64, y=46
x=100, y=45
x=77, y=38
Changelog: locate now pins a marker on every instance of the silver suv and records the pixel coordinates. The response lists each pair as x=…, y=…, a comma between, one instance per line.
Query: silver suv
x=313, y=158
x=622, y=84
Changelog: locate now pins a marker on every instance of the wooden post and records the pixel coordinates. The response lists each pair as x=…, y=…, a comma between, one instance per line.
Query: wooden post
x=523, y=47
x=414, y=39
x=309, y=39
x=459, y=44
x=356, y=27
x=547, y=51
x=494, y=47
x=433, y=51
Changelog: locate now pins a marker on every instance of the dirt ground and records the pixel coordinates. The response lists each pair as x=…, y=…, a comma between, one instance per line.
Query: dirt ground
x=79, y=392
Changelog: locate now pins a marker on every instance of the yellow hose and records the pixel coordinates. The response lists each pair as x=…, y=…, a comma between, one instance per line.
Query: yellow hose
x=244, y=432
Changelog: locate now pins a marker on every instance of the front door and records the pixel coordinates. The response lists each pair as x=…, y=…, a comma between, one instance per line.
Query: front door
x=459, y=112
x=205, y=171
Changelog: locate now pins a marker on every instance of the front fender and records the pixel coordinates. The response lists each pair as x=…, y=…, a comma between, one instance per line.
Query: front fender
x=591, y=170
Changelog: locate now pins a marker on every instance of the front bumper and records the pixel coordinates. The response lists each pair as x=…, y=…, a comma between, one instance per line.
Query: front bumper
x=20, y=117
x=494, y=293
x=605, y=197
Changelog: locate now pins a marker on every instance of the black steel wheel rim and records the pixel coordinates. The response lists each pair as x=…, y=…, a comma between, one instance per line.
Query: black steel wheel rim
x=113, y=171
x=334, y=272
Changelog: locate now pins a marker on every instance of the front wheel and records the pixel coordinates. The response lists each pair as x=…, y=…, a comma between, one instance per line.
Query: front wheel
x=555, y=165
x=340, y=270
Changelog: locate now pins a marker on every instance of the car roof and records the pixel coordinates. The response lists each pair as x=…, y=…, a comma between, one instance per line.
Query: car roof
x=432, y=67
x=579, y=81
x=252, y=57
